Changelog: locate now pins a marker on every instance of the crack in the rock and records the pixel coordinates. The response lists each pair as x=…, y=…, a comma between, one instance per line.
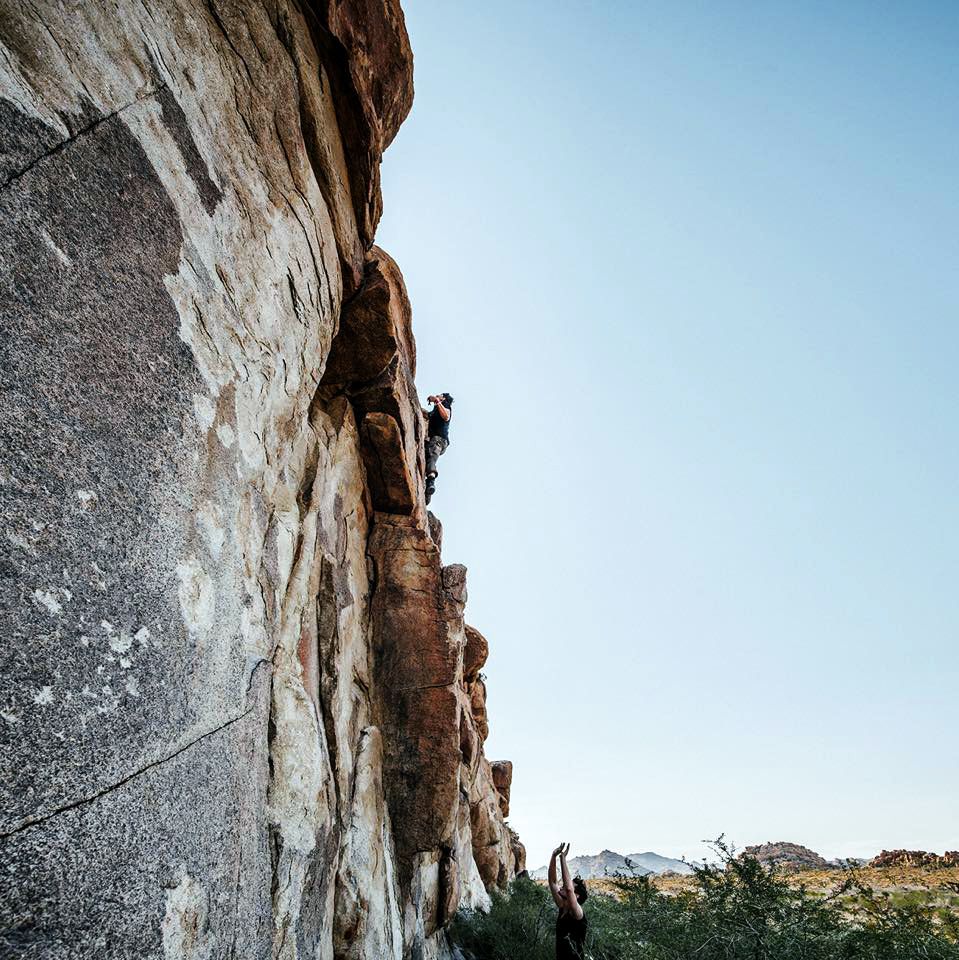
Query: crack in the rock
x=239, y=865
x=261, y=662
x=84, y=130
x=426, y=686
x=32, y=821
x=219, y=22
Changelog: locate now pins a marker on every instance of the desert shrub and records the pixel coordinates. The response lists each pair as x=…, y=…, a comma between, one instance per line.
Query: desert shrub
x=738, y=910
x=520, y=924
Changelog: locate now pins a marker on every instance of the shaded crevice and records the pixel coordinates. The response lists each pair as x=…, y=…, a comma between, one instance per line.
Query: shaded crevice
x=263, y=661
x=327, y=637
x=353, y=125
x=310, y=126
x=83, y=801
x=426, y=686
x=239, y=865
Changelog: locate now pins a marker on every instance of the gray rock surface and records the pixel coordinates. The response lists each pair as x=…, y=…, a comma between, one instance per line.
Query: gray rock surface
x=192, y=682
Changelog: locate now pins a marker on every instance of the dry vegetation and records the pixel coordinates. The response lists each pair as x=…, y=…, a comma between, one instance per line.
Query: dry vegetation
x=739, y=909
x=903, y=885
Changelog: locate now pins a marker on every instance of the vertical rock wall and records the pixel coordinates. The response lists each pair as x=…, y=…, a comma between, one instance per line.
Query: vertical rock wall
x=241, y=714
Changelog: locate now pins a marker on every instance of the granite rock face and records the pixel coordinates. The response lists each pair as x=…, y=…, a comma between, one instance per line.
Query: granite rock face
x=237, y=714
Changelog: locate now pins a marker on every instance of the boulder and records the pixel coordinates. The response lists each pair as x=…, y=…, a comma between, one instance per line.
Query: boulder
x=502, y=772
x=475, y=655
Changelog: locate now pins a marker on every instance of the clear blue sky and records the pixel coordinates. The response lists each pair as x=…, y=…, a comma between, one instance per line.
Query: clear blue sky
x=691, y=271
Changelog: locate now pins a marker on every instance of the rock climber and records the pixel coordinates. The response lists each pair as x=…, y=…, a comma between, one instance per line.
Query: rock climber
x=569, y=896
x=437, y=436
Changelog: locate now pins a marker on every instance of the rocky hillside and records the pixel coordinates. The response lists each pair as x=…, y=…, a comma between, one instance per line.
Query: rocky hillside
x=608, y=864
x=241, y=708
x=788, y=857
x=916, y=858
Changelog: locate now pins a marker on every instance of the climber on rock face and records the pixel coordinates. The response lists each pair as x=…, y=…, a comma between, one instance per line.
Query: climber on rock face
x=437, y=436
x=569, y=895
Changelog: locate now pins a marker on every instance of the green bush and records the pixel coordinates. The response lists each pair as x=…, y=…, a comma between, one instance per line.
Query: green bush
x=738, y=910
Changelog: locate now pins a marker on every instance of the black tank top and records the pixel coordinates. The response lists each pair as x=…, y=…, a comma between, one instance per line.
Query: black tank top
x=570, y=937
x=438, y=427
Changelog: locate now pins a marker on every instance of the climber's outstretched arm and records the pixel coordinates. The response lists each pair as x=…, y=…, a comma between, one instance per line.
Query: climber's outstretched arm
x=554, y=887
x=572, y=904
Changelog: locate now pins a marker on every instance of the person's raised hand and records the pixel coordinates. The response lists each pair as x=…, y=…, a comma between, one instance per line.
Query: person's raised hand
x=564, y=850
x=558, y=850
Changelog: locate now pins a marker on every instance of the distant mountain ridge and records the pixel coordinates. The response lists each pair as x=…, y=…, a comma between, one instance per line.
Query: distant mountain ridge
x=782, y=856
x=609, y=863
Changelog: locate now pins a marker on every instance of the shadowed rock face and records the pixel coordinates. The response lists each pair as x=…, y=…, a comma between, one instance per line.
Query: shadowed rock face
x=373, y=360
x=235, y=713
x=367, y=40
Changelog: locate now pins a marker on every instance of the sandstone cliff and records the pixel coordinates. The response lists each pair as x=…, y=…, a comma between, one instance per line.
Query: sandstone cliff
x=242, y=714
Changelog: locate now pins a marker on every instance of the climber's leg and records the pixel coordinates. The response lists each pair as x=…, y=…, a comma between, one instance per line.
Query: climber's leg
x=435, y=448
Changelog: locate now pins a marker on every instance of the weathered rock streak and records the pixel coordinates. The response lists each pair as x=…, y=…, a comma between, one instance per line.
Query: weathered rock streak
x=242, y=714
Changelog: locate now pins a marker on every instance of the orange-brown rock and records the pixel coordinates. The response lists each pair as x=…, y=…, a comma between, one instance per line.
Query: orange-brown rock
x=417, y=647
x=477, y=691
x=502, y=771
x=446, y=811
x=375, y=326
x=502, y=775
x=475, y=655
x=470, y=744
x=492, y=847
x=372, y=78
x=436, y=529
x=373, y=359
x=446, y=800
x=915, y=858
x=519, y=852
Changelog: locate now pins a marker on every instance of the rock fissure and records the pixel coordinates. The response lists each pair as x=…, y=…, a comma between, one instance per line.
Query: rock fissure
x=83, y=131
x=83, y=801
x=214, y=13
